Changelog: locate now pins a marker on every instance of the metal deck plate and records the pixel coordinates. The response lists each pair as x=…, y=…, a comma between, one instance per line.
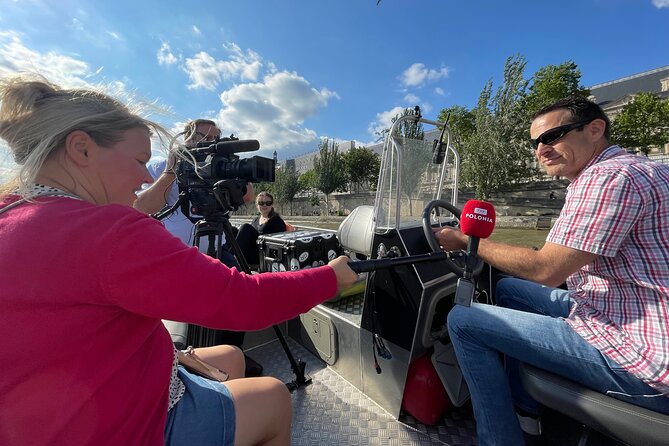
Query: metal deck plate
x=331, y=411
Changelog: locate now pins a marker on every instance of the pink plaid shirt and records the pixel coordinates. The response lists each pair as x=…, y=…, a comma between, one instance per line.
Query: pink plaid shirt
x=618, y=208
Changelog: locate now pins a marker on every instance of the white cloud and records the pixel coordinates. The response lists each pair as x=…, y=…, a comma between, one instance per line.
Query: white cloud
x=196, y=31
x=273, y=111
x=418, y=74
x=384, y=120
x=411, y=99
x=165, y=55
x=115, y=35
x=67, y=72
x=63, y=70
x=661, y=3
x=77, y=25
x=425, y=109
x=439, y=91
x=206, y=72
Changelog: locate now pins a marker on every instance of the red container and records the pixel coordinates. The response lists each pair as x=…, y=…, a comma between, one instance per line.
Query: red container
x=424, y=396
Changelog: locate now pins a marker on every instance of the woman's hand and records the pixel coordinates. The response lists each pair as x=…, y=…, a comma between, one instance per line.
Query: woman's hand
x=345, y=275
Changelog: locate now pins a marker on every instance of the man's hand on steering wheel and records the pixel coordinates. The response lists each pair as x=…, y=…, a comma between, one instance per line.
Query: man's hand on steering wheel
x=450, y=238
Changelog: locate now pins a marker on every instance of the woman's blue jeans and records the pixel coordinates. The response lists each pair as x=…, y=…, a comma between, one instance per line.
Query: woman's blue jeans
x=530, y=329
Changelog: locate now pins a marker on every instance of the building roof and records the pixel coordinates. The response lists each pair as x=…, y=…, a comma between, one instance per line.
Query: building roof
x=609, y=93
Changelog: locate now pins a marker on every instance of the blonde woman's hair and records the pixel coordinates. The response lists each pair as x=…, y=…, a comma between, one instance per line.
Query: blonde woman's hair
x=36, y=116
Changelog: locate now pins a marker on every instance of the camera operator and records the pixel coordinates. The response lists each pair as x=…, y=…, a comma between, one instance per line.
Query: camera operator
x=164, y=192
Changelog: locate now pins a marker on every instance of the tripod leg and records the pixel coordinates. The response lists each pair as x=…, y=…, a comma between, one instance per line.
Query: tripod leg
x=297, y=366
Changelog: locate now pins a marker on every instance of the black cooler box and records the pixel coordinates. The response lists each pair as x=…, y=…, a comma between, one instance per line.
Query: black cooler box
x=290, y=251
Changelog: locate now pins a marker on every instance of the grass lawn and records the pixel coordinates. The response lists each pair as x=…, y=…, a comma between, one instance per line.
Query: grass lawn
x=520, y=236
x=529, y=237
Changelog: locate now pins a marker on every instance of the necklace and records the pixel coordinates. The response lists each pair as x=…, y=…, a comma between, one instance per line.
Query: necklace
x=39, y=190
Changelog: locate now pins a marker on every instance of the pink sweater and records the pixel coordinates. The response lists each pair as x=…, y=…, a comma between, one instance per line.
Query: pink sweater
x=86, y=359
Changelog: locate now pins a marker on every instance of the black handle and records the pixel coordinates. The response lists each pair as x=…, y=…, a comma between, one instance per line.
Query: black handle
x=364, y=266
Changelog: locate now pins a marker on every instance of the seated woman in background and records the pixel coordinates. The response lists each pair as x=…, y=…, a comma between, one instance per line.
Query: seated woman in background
x=268, y=222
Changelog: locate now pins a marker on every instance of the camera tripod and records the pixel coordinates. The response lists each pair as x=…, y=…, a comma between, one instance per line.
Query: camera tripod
x=213, y=228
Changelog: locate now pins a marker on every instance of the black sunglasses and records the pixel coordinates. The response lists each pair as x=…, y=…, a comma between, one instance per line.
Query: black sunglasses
x=264, y=203
x=552, y=135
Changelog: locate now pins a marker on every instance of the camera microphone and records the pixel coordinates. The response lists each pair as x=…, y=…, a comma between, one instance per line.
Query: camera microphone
x=227, y=147
x=239, y=145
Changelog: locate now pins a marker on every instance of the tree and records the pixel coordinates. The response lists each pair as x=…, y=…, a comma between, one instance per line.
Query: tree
x=554, y=82
x=642, y=123
x=461, y=122
x=286, y=185
x=307, y=180
x=328, y=173
x=307, y=183
x=362, y=167
x=497, y=153
x=415, y=155
x=263, y=187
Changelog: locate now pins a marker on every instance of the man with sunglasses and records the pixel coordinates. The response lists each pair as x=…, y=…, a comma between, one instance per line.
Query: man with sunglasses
x=609, y=329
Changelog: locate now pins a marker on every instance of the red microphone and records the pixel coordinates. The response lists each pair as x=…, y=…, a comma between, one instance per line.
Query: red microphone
x=477, y=220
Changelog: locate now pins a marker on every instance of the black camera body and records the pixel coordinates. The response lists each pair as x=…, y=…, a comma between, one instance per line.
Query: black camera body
x=214, y=178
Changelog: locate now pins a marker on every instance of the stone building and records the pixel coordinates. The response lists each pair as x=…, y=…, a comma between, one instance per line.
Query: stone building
x=614, y=95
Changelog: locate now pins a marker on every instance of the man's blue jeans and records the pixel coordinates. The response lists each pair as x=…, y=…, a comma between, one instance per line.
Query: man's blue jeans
x=537, y=335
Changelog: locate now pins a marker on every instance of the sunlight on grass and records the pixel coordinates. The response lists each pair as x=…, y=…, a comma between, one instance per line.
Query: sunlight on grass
x=520, y=236
x=529, y=237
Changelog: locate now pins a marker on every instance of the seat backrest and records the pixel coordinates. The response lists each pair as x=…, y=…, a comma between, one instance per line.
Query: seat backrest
x=623, y=421
x=355, y=233
x=179, y=333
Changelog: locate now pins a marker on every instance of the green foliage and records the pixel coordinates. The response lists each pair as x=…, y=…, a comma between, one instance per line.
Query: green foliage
x=286, y=186
x=266, y=187
x=552, y=83
x=461, y=122
x=328, y=173
x=410, y=129
x=492, y=137
x=307, y=181
x=497, y=153
x=642, y=123
x=362, y=166
x=415, y=155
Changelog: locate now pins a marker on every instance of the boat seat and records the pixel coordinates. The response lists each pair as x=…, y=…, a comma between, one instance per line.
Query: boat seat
x=617, y=419
x=356, y=232
x=179, y=333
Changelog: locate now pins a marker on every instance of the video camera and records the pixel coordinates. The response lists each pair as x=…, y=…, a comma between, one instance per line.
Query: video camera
x=214, y=178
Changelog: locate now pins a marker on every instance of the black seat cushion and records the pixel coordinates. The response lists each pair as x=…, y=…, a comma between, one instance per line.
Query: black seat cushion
x=623, y=421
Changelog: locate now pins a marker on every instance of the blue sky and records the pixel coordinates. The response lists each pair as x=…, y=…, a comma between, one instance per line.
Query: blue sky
x=288, y=72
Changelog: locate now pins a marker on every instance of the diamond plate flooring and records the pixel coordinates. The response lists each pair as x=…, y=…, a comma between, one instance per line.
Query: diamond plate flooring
x=331, y=411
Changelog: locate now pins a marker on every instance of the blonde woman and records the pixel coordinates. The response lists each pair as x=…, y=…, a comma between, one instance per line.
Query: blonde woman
x=86, y=280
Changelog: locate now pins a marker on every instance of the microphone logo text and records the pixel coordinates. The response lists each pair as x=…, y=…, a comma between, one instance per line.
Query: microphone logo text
x=481, y=211
x=480, y=217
